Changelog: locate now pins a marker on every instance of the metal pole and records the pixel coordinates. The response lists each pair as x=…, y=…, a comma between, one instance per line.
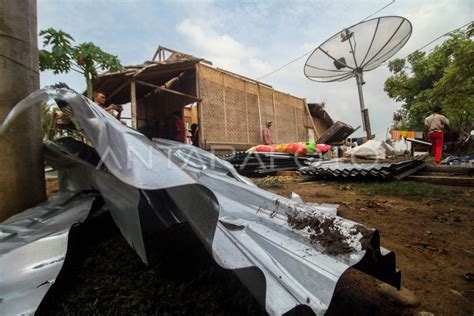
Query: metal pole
x=363, y=110
x=22, y=183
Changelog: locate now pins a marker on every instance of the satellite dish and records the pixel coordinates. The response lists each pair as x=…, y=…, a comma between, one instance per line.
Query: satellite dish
x=361, y=47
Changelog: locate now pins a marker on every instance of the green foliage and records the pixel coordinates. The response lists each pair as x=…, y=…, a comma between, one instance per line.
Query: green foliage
x=61, y=56
x=444, y=77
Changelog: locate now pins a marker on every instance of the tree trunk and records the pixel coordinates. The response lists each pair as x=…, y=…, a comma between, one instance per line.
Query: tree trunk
x=89, y=84
x=22, y=182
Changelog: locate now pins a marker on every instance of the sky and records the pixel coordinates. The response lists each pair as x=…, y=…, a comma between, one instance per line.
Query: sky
x=253, y=38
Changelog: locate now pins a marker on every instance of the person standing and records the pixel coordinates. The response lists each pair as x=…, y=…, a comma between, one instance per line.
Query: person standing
x=435, y=124
x=174, y=128
x=180, y=135
x=195, y=134
x=99, y=99
x=267, y=135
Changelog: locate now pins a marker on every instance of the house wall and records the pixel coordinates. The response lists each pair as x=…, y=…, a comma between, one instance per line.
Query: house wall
x=233, y=111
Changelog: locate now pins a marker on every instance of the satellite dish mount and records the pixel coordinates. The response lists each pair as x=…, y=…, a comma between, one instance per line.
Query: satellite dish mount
x=356, y=49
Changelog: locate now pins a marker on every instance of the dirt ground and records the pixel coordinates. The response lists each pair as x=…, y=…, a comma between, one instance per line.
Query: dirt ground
x=432, y=236
x=431, y=233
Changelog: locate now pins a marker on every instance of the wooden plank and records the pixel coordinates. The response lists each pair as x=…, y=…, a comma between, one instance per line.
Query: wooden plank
x=275, y=117
x=133, y=101
x=158, y=88
x=450, y=169
x=444, y=180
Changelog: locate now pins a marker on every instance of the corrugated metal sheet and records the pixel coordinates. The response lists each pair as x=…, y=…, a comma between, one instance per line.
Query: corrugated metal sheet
x=338, y=168
x=287, y=253
x=338, y=132
x=33, y=246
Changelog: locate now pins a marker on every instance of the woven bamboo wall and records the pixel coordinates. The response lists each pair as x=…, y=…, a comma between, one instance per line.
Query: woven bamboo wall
x=234, y=111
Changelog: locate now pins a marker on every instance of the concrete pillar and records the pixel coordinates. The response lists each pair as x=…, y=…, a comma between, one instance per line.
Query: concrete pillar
x=22, y=182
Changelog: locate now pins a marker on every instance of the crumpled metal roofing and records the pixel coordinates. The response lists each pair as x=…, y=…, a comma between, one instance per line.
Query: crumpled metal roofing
x=286, y=252
x=33, y=246
x=338, y=168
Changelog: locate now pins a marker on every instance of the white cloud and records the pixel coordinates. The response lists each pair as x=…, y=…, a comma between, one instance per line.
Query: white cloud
x=222, y=49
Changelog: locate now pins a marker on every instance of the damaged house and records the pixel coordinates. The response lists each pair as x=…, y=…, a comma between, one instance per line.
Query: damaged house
x=230, y=109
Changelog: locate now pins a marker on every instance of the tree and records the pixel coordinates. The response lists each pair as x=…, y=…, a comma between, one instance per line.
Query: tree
x=445, y=77
x=85, y=58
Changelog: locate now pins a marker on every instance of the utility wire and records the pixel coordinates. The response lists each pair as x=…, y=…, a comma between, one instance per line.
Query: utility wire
x=431, y=42
x=378, y=11
x=298, y=58
x=287, y=64
x=447, y=33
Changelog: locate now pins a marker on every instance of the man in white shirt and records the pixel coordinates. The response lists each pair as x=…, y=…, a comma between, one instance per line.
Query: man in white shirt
x=435, y=123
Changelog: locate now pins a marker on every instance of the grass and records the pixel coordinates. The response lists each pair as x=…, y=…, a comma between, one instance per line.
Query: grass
x=409, y=189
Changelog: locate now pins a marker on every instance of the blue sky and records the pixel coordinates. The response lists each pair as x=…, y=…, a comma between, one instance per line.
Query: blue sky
x=252, y=38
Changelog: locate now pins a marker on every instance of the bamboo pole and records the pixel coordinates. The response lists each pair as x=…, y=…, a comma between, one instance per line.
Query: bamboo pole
x=199, y=107
x=246, y=113
x=259, y=113
x=158, y=88
x=133, y=101
x=275, y=117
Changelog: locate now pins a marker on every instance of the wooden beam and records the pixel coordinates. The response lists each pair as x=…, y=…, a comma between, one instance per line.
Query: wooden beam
x=259, y=114
x=450, y=169
x=126, y=83
x=275, y=117
x=242, y=77
x=158, y=88
x=444, y=180
x=296, y=123
x=311, y=119
x=199, y=107
x=133, y=101
x=158, y=50
x=225, y=114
